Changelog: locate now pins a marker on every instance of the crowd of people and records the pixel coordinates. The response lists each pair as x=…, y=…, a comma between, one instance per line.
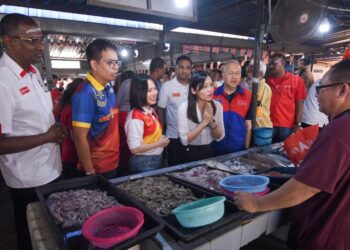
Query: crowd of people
x=144, y=123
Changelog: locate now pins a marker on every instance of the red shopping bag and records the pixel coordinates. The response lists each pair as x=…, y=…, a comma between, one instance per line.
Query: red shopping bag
x=298, y=144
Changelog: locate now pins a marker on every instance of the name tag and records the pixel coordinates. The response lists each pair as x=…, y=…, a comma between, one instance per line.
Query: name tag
x=176, y=94
x=242, y=103
x=24, y=90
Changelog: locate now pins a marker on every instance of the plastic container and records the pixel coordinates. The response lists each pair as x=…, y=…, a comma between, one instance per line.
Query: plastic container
x=200, y=213
x=112, y=226
x=245, y=183
x=263, y=136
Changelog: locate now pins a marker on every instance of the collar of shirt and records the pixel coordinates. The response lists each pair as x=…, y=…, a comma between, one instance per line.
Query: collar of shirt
x=221, y=91
x=147, y=110
x=98, y=86
x=16, y=69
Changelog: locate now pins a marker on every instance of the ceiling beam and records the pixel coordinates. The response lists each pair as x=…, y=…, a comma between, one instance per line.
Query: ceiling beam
x=55, y=26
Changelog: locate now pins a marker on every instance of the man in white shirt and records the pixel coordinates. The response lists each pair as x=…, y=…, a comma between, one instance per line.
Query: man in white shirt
x=311, y=110
x=29, y=153
x=172, y=94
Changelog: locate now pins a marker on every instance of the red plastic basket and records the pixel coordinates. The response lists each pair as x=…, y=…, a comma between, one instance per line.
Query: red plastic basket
x=112, y=226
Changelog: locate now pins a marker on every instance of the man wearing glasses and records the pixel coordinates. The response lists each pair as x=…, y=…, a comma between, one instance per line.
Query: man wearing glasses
x=320, y=189
x=288, y=93
x=29, y=137
x=94, y=113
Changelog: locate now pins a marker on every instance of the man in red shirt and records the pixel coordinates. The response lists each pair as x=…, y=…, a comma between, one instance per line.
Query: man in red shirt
x=320, y=189
x=288, y=93
x=56, y=96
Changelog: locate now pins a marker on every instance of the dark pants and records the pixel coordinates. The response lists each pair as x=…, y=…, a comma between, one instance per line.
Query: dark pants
x=196, y=153
x=21, y=197
x=280, y=134
x=109, y=175
x=176, y=152
x=144, y=163
x=70, y=170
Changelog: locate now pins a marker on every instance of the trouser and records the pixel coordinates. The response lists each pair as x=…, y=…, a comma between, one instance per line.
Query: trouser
x=21, y=197
x=70, y=170
x=176, y=152
x=144, y=163
x=109, y=175
x=198, y=152
x=280, y=134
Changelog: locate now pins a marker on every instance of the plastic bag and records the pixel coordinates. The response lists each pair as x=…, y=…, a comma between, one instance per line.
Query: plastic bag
x=298, y=144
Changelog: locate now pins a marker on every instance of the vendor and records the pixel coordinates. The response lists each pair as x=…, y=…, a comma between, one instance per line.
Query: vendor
x=320, y=189
x=143, y=129
x=200, y=119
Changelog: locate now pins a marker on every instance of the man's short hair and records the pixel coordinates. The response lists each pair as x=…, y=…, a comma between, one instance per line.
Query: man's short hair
x=306, y=61
x=94, y=49
x=10, y=23
x=279, y=56
x=340, y=71
x=156, y=63
x=231, y=62
x=183, y=58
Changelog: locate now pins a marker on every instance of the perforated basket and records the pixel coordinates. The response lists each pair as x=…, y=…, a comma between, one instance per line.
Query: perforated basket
x=201, y=212
x=245, y=183
x=112, y=226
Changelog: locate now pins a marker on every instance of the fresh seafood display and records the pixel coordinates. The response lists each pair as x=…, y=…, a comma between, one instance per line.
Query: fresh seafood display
x=203, y=176
x=158, y=193
x=237, y=166
x=73, y=207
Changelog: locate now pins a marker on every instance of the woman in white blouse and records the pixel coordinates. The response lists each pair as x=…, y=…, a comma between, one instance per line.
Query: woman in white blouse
x=200, y=119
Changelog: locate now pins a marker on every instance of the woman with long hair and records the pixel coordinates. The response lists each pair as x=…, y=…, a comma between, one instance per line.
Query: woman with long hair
x=68, y=152
x=142, y=127
x=200, y=119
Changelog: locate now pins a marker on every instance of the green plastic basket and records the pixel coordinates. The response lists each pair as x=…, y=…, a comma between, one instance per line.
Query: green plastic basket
x=201, y=212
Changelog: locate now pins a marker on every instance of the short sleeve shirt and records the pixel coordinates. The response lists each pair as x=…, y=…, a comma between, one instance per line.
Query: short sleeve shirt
x=172, y=94
x=322, y=222
x=94, y=107
x=25, y=110
x=286, y=91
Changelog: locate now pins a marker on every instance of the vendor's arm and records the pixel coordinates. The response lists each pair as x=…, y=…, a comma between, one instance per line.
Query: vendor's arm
x=248, y=125
x=10, y=145
x=292, y=193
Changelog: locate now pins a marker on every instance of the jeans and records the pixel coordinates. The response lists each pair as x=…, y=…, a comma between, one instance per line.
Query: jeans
x=143, y=163
x=280, y=134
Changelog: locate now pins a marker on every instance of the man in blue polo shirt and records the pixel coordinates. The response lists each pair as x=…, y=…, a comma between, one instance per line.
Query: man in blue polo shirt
x=236, y=103
x=94, y=113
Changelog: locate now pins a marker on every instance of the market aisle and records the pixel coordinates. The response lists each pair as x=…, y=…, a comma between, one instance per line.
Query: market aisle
x=7, y=224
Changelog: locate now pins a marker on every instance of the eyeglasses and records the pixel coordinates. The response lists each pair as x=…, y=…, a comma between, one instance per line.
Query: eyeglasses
x=31, y=40
x=318, y=88
x=113, y=64
x=273, y=63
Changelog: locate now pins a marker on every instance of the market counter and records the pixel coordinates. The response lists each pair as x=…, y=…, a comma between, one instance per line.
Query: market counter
x=231, y=236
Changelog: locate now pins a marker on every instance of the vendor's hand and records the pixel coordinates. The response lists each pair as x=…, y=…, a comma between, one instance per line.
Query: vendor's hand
x=56, y=133
x=246, y=201
x=208, y=114
x=164, y=141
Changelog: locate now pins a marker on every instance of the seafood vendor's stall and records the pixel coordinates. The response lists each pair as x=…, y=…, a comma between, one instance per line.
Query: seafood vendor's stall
x=156, y=194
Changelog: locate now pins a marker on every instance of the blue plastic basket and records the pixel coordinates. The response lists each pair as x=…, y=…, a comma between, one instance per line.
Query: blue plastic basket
x=201, y=212
x=245, y=183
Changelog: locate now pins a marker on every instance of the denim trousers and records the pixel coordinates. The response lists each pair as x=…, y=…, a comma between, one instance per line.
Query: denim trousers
x=143, y=163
